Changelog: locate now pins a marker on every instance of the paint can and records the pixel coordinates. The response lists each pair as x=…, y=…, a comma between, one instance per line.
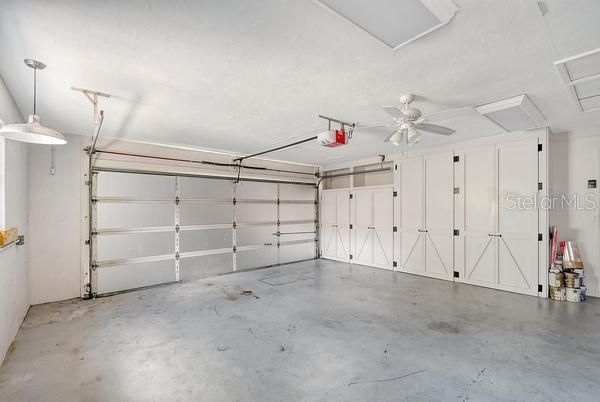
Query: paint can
x=556, y=279
x=557, y=293
x=573, y=295
x=571, y=280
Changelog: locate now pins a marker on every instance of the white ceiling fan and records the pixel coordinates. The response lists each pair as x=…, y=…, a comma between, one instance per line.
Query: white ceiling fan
x=410, y=121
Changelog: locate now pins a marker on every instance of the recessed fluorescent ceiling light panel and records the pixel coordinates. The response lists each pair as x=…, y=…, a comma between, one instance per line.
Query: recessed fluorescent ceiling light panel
x=514, y=114
x=394, y=22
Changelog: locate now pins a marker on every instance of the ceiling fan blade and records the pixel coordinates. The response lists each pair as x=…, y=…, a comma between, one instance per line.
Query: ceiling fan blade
x=395, y=112
x=450, y=114
x=366, y=127
x=434, y=128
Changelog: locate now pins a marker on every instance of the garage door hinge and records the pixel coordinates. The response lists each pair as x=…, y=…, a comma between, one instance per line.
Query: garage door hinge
x=234, y=201
x=177, y=227
x=351, y=226
x=234, y=249
x=395, y=228
x=177, y=200
x=540, y=288
x=456, y=158
x=87, y=182
x=395, y=194
x=456, y=232
x=394, y=264
x=87, y=242
x=540, y=186
x=456, y=274
x=540, y=237
x=93, y=265
x=177, y=256
x=539, y=147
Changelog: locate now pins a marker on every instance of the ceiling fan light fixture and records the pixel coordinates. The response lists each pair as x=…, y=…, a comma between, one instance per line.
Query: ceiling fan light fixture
x=396, y=137
x=413, y=136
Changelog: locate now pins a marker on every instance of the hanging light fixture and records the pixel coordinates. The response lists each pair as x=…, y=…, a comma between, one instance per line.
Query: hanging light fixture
x=33, y=131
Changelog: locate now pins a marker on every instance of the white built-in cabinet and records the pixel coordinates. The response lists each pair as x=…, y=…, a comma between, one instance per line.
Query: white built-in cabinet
x=372, y=233
x=498, y=240
x=335, y=225
x=451, y=215
x=424, y=215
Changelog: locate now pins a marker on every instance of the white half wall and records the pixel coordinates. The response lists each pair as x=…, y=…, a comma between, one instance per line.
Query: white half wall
x=54, y=218
x=14, y=289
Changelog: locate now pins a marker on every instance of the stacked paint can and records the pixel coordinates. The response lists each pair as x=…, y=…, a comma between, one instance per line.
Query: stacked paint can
x=566, y=276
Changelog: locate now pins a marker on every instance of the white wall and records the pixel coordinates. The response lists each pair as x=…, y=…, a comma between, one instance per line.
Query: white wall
x=54, y=222
x=575, y=159
x=14, y=292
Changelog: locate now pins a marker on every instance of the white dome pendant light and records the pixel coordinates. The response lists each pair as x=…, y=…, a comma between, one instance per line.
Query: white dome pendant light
x=33, y=131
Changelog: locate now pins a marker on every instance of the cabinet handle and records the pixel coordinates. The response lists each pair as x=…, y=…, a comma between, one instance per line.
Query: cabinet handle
x=422, y=230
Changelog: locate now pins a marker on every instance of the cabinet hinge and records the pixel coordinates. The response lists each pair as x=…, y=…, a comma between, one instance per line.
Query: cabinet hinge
x=456, y=274
x=395, y=228
x=350, y=196
x=87, y=242
x=456, y=190
x=539, y=147
x=540, y=237
x=395, y=194
x=394, y=264
x=540, y=288
x=396, y=167
x=350, y=256
x=351, y=226
x=456, y=232
x=456, y=158
x=540, y=186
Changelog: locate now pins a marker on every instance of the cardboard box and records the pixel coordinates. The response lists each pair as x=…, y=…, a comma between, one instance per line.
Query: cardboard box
x=8, y=235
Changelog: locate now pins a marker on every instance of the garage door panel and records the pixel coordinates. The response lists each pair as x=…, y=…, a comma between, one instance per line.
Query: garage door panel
x=248, y=259
x=297, y=232
x=296, y=192
x=205, y=266
x=133, y=245
x=296, y=252
x=111, y=184
x=255, y=190
x=118, y=278
x=255, y=235
x=195, y=240
x=205, y=214
x=190, y=187
x=256, y=212
x=296, y=212
x=134, y=215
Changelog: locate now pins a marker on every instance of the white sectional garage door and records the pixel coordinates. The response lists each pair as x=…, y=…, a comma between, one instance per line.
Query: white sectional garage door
x=149, y=229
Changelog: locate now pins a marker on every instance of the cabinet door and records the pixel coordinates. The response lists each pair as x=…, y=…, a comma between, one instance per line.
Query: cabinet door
x=383, y=229
x=439, y=221
x=343, y=225
x=518, y=216
x=411, y=235
x=363, y=222
x=479, y=194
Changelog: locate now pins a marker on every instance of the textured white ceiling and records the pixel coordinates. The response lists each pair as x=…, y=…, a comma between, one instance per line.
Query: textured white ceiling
x=244, y=75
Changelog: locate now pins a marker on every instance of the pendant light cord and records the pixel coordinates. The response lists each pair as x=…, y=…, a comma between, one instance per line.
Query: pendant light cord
x=34, y=90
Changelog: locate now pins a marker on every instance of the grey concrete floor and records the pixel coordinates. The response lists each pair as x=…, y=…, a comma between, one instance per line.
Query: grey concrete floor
x=317, y=330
